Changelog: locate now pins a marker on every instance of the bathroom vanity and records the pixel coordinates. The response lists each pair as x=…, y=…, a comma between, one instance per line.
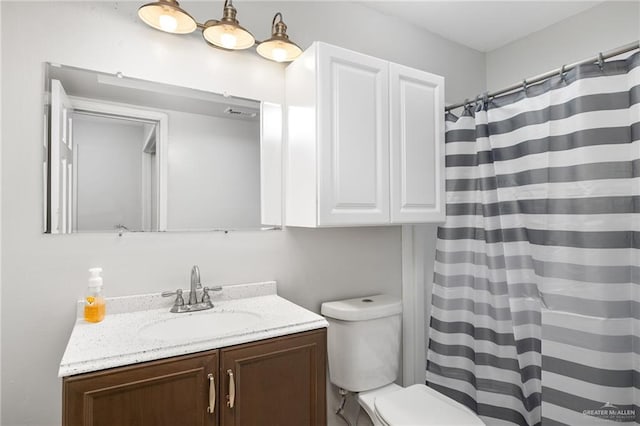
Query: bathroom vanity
x=247, y=361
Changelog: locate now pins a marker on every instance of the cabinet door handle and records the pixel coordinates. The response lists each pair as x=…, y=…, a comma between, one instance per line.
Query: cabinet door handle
x=231, y=398
x=212, y=394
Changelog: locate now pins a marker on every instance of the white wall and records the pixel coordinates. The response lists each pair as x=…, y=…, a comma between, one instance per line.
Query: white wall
x=42, y=275
x=604, y=27
x=109, y=169
x=213, y=172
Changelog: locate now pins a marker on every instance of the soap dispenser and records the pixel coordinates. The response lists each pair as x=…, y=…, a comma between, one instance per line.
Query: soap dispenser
x=94, y=305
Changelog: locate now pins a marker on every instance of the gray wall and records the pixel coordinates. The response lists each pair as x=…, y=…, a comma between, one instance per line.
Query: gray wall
x=582, y=36
x=42, y=275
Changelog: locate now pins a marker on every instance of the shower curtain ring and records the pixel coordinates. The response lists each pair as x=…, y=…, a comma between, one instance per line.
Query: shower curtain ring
x=479, y=104
x=600, y=61
x=524, y=84
x=485, y=101
x=562, y=76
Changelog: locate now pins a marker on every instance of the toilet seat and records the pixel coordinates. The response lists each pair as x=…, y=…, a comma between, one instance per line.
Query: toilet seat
x=418, y=405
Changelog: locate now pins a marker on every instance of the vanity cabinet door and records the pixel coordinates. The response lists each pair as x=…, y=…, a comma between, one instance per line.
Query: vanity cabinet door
x=278, y=382
x=168, y=392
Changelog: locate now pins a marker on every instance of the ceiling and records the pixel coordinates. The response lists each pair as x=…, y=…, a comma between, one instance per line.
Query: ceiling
x=482, y=25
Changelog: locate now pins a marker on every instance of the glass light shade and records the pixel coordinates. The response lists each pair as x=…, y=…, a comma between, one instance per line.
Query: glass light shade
x=228, y=36
x=279, y=50
x=166, y=15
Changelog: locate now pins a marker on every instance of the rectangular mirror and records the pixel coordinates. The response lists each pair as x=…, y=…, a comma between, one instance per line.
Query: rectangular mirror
x=124, y=154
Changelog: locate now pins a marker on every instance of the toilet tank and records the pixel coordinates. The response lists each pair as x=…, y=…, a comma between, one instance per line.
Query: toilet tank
x=363, y=341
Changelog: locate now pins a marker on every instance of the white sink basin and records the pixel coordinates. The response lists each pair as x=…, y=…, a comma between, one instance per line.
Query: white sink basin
x=199, y=325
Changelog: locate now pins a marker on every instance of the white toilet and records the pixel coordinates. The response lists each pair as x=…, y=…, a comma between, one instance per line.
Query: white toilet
x=364, y=355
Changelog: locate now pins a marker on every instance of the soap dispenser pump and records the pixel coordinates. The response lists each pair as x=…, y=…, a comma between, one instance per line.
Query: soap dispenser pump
x=94, y=304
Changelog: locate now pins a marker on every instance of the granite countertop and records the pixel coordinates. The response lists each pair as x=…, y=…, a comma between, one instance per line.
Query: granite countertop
x=118, y=339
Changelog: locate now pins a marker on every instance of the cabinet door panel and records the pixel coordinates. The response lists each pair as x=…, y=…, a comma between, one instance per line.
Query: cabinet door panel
x=279, y=382
x=353, y=146
x=167, y=392
x=417, y=145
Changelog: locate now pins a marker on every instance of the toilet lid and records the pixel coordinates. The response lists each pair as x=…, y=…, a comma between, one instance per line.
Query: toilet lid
x=420, y=405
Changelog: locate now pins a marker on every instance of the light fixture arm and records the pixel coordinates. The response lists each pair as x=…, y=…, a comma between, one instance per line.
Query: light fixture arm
x=273, y=23
x=279, y=28
x=229, y=12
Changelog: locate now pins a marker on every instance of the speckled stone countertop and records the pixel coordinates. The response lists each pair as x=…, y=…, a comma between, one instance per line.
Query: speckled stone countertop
x=118, y=340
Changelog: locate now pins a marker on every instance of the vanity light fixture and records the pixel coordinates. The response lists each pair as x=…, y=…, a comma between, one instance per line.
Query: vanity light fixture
x=279, y=48
x=168, y=16
x=227, y=33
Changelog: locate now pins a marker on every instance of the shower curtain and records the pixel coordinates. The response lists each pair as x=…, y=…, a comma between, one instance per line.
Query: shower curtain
x=536, y=294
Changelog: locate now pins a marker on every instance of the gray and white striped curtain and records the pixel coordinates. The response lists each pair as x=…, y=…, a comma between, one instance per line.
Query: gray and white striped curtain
x=536, y=295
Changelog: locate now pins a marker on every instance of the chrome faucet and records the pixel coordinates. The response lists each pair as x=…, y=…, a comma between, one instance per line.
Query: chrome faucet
x=193, y=304
x=195, y=284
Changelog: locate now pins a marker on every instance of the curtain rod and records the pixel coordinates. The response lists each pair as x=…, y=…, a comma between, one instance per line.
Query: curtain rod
x=598, y=59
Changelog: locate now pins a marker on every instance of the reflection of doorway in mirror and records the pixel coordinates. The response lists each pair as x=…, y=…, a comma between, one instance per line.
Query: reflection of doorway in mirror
x=114, y=159
x=106, y=166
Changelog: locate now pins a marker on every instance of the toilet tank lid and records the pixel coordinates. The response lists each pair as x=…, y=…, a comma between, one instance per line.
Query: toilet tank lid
x=363, y=308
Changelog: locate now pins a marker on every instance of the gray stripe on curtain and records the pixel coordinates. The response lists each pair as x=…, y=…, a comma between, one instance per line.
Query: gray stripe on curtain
x=484, y=284
x=494, y=411
x=595, y=239
x=596, y=342
x=536, y=296
x=527, y=373
x=582, y=138
x=577, y=272
x=595, y=205
x=581, y=105
x=483, y=333
x=593, y=171
x=530, y=402
x=576, y=403
x=574, y=305
x=470, y=135
x=599, y=376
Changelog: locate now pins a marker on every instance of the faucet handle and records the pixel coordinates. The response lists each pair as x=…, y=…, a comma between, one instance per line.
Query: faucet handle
x=205, y=295
x=205, y=292
x=178, y=293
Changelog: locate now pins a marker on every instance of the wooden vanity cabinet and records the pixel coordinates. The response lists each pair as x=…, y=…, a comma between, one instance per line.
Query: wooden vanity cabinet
x=167, y=392
x=277, y=382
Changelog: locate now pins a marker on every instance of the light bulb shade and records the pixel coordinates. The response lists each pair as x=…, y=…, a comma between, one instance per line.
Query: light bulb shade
x=167, y=16
x=279, y=50
x=227, y=32
x=227, y=35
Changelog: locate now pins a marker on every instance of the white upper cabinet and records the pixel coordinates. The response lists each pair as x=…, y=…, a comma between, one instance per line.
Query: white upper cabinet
x=364, y=141
x=353, y=156
x=417, y=145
